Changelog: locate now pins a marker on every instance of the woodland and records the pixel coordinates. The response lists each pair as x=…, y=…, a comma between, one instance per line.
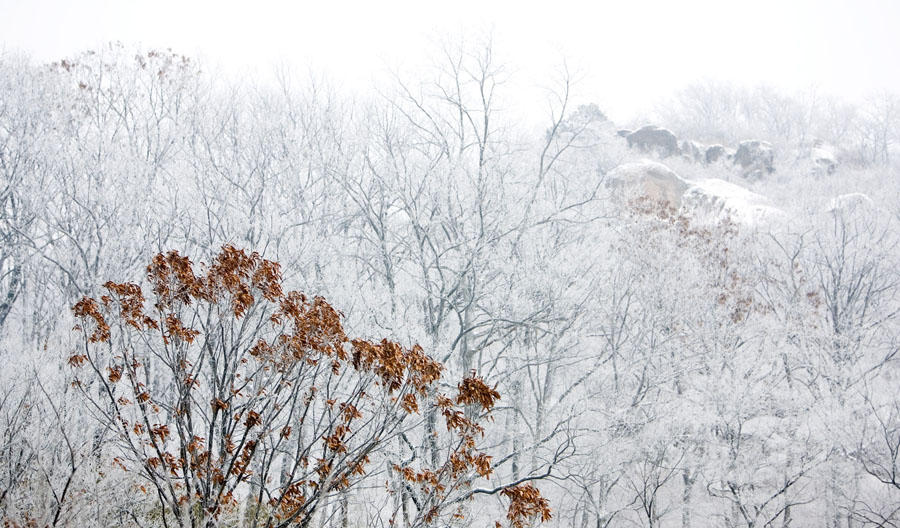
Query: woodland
x=228, y=303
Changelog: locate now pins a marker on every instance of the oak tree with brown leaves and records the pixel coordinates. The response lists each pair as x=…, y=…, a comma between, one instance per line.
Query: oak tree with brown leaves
x=220, y=388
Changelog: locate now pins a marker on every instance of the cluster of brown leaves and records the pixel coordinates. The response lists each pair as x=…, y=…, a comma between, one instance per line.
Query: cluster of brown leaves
x=89, y=309
x=473, y=390
x=293, y=498
x=234, y=275
x=525, y=505
x=397, y=365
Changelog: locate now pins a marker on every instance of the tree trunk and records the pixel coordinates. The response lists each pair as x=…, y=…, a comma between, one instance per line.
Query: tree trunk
x=345, y=510
x=15, y=280
x=687, y=492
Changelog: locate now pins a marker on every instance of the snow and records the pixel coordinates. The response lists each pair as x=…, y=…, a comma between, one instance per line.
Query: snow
x=706, y=200
x=850, y=202
x=651, y=179
x=713, y=199
x=821, y=154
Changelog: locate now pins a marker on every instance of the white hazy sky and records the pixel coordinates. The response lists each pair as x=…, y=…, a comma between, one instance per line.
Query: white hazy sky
x=630, y=52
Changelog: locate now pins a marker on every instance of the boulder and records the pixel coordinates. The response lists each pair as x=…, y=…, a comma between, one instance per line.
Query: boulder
x=706, y=201
x=755, y=158
x=713, y=200
x=692, y=150
x=714, y=153
x=654, y=139
x=823, y=157
x=623, y=133
x=825, y=161
x=850, y=204
x=648, y=179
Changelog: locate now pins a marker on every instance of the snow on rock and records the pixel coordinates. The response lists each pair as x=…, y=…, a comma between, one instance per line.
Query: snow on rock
x=649, y=179
x=708, y=200
x=850, y=203
x=756, y=158
x=713, y=200
x=693, y=151
x=823, y=157
x=654, y=139
x=714, y=153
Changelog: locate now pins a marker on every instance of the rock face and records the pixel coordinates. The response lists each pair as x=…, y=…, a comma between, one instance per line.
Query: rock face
x=706, y=201
x=851, y=203
x=823, y=157
x=648, y=179
x=826, y=162
x=692, y=151
x=654, y=139
x=714, y=153
x=712, y=200
x=756, y=158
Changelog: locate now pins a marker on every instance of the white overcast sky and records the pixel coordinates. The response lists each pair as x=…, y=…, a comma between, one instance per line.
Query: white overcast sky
x=631, y=52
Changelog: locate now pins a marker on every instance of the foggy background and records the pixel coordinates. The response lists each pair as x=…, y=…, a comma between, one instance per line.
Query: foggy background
x=629, y=55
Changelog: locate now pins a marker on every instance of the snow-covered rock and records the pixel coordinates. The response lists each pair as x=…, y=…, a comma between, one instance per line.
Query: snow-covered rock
x=823, y=157
x=707, y=200
x=648, y=179
x=715, y=153
x=850, y=203
x=692, y=150
x=654, y=139
x=714, y=199
x=756, y=158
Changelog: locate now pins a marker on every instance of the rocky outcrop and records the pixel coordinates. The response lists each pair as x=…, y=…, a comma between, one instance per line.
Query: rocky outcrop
x=623, y=132
x=851, y=203
x=692, y=151
x=755, y=158
x=823, y=157
x=714, y=153
x=712, y=200
x=655, y=140
x=648, y=179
